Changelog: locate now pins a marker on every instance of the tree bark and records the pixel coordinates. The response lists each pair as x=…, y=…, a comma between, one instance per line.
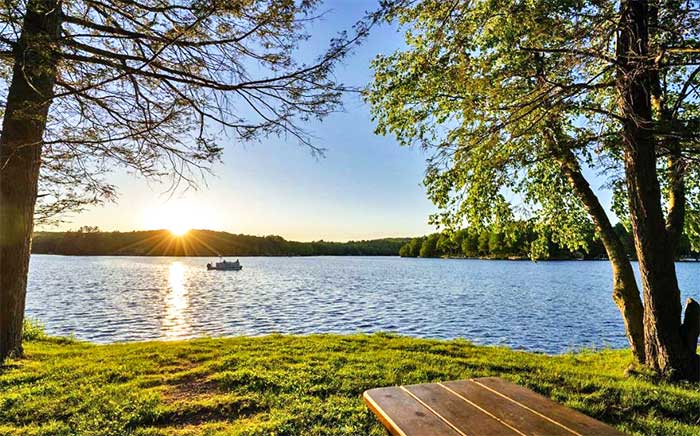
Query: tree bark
x=24, y=123
x=675, y=219
x=690, y=330
x=669, y=142
x=625, y=290
x=665, y=351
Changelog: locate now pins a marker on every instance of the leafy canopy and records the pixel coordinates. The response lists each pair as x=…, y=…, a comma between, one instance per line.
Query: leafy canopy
x=496, y=89
x=155, y=86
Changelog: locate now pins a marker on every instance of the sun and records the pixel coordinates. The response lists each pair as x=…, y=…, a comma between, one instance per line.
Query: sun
x=178, y=229
x=181, y=216
x=177, y=217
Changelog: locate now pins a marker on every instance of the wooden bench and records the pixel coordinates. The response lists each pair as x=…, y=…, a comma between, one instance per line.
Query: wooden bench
x=481, y=406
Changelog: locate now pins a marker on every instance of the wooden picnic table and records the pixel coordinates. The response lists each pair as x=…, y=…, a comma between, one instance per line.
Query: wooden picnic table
x=480, y=406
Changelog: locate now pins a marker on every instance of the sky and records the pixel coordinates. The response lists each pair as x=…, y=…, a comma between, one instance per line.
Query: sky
x=365, y=187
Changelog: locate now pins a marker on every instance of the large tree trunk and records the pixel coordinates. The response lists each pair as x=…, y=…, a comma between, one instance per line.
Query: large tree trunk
x=28, y=101
x=625, y=290
x=669, y=142
x=666, y=351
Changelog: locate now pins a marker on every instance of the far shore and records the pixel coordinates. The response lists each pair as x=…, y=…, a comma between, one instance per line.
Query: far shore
x=511, y=258
x=208, y=243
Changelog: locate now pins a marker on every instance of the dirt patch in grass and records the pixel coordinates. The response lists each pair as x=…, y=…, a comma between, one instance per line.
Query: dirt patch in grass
x=191, y=388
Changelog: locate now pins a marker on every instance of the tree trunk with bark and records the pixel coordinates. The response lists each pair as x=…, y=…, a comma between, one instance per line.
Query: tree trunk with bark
x=625, y=290
x=666, y=351
x=24, y=122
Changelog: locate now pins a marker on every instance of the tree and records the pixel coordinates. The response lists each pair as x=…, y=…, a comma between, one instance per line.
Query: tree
x=445, y=245
x=416, y=245
x=470, y=244
x=626, y=238
x=144, y=84
x=429, y=246
x=516, y=243
x=483, y=242
x=458, y=239
x=411, y=248
x=495, y=243
x=525, y=97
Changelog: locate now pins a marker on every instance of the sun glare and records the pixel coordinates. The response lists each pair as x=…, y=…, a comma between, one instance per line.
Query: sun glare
x=177, y=217
x=178, y=230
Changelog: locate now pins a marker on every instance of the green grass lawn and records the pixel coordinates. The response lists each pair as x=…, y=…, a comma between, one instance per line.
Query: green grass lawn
x=300, y=385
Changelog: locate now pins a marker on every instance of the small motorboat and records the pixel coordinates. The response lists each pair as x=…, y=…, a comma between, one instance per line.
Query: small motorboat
x=225, y=266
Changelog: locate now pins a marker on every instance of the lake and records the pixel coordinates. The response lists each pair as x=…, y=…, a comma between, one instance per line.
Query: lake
x=545, y=306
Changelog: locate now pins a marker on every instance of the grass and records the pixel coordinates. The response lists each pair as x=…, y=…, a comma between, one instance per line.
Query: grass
x=300, y=385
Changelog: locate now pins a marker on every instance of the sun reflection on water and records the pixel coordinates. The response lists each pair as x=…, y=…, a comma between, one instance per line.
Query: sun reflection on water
x=176, y=323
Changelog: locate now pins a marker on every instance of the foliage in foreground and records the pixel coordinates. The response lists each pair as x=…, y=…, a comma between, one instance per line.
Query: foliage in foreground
x=517, y=103
x=33, y=330
x=300, y=385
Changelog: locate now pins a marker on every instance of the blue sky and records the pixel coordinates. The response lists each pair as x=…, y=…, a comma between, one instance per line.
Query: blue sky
x=365, y=187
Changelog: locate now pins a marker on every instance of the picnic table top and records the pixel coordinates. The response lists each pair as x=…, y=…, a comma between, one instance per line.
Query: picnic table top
x=480, y=406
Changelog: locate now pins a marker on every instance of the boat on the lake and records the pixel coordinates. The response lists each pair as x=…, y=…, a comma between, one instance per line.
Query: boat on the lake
x=225, y=266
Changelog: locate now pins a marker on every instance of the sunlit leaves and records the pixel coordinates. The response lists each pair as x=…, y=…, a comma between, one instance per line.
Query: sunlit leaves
x=482, y=85
x=156, y=87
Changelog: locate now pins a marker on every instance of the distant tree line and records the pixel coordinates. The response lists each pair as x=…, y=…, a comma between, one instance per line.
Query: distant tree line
x=90, y=241
x=517, y=242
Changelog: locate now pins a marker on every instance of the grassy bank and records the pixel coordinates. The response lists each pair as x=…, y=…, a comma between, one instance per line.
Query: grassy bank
x=291, y=385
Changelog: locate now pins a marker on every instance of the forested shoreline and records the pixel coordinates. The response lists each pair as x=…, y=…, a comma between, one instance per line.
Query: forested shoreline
x=516, y=242
x=89, y=241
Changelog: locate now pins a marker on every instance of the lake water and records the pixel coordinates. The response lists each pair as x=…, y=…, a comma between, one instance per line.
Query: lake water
x=545, y=306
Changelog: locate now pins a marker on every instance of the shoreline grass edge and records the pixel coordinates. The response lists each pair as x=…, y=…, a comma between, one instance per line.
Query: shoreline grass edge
x=301, y=385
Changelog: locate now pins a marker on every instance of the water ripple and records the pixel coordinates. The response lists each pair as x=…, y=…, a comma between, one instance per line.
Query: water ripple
x=524, y=305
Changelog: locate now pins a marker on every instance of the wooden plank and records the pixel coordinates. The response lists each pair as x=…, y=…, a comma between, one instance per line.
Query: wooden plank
x=402, y=415
x=577, y=423
x=462, y=414
x=508, y=412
